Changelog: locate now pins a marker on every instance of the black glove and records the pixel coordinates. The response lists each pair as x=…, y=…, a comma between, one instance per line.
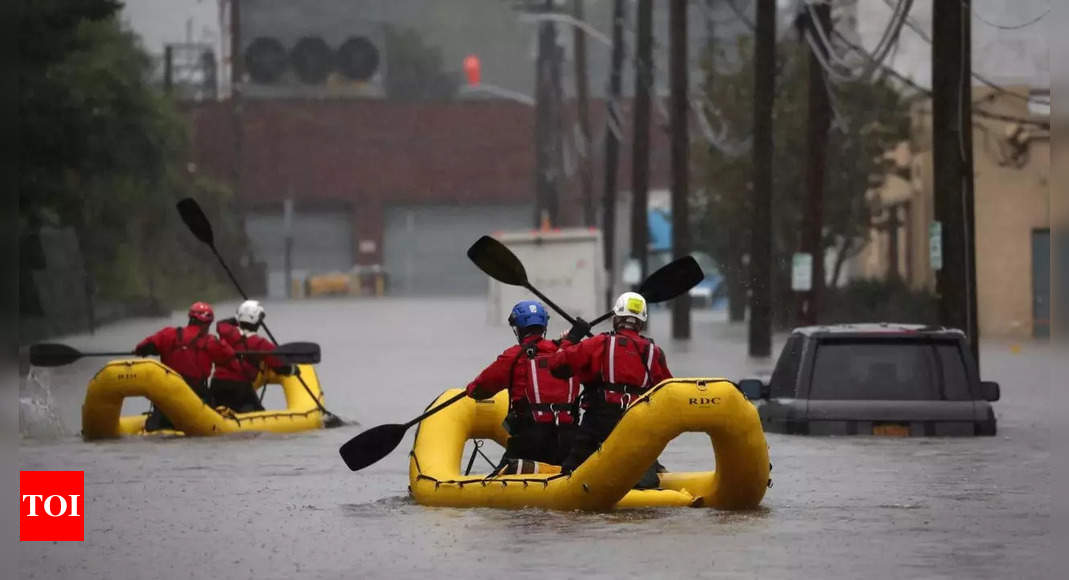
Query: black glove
x=146, y=350
x=579, y=330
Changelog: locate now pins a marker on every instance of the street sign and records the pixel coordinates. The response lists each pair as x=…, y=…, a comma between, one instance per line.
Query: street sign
x=935, y=245
x=802, y=272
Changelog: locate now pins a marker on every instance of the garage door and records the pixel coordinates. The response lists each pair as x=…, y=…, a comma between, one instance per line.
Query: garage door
x=322, y=242
x=424, y=246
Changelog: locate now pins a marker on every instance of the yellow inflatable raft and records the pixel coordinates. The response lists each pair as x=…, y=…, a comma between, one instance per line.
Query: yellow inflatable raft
x=604, y=481
x=168, y=391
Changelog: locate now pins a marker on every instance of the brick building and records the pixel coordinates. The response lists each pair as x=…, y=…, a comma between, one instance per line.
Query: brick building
x=405, y=185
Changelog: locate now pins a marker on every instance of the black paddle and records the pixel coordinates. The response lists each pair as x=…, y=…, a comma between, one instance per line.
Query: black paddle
x=53, y=355
x=377, y=442
x=669, y=281
x=198, y=223
x=492, y=257
x=502, y=265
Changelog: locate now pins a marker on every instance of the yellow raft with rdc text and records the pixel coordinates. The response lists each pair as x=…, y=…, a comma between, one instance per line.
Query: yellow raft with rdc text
x=605, y=480
x=167, y=390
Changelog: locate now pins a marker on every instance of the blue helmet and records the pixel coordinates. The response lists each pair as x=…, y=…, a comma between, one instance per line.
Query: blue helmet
x=528, y=313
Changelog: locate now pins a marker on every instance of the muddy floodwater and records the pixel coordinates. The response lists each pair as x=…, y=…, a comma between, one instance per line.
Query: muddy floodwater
x=285, y=506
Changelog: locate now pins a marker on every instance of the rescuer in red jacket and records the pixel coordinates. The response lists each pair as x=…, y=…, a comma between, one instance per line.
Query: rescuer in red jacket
x=190, y=351
x=542, y=408
x=232, y=384
x=615, y=368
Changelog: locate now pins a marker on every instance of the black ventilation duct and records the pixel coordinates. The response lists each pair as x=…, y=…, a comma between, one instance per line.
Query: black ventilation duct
x=312, y=60
x=358, y=59
x=265, y=60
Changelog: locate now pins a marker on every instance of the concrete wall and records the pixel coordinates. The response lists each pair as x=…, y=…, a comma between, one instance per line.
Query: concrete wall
x=1011, y=164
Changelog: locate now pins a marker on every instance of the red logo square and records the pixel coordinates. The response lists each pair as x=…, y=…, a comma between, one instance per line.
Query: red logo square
x=51, y=506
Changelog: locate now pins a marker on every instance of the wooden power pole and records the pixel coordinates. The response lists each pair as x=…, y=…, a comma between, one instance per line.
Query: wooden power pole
x=585, y=159
x=761, y=226
x=612, y=147
x=680, y=165
x=640, y=156
x=953, y=167
x=817, y=137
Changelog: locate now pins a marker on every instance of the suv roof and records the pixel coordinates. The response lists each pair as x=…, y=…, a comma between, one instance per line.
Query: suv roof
x=870, y=328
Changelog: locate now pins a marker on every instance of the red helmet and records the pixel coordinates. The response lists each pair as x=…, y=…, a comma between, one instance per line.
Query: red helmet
x=202, y=311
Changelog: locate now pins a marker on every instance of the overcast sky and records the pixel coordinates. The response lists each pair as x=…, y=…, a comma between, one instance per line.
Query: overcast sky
x=1005, y=56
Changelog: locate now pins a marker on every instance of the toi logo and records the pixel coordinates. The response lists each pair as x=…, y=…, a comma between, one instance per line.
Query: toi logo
x=51, y=506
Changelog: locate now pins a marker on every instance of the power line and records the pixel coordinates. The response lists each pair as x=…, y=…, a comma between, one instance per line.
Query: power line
x=1025, y=24
x=983, y=80
x=928, y=93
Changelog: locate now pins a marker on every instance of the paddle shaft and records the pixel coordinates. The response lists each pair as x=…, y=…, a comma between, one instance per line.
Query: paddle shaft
x=549, y=303
x=434, y=410
x=245, y=296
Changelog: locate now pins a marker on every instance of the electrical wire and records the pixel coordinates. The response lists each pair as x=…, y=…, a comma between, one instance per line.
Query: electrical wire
x=916, y=28
x=1025, y=24
x=928, y=92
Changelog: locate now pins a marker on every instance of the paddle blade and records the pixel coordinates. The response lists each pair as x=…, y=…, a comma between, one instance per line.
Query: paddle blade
x=492, y=257
x=671, y=280
x=298, y=352
x=196, y=221
x=52, y=354
x=371, y=445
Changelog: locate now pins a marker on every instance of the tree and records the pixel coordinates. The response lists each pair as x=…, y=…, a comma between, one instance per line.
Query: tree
x=414, y=70
x=105, y=153
x=870, y=119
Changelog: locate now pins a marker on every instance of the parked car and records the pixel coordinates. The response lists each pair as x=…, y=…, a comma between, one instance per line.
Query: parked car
x=879, y=379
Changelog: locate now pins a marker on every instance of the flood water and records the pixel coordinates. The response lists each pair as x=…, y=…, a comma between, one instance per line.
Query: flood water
x=285, y=506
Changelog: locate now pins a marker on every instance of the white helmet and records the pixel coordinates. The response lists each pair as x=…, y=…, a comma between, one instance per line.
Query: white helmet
x=630, y=304
x=250, y=312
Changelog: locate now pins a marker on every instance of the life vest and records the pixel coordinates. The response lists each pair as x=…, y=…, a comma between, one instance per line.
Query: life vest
x=626, y=369
x=188, y=356
x=240, y=369
x=548, y=399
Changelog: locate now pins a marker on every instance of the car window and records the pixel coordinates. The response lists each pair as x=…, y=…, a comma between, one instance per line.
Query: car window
x=884, y=369
x=785, y=376
x=955, y=380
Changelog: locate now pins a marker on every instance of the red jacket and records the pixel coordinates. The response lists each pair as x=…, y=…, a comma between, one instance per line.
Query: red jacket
x=621, y=358
x=527, y=378
x=243, y=369
x=188, y=350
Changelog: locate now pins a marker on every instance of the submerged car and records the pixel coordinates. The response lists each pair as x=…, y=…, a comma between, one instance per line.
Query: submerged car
x=875, y=379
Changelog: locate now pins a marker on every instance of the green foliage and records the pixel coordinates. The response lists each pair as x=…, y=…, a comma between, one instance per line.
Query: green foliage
x=879, y=301
x=414, y=70
x=873, y=118
x=105, y=152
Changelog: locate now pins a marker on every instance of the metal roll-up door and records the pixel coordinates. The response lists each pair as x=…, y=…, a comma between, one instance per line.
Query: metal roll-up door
x=424, y=246
x=322, y=242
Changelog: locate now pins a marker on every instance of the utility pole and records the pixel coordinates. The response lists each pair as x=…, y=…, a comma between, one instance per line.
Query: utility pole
x=613, y=127
x=680, y=165
x=586, y=167
x=545, y=124
x=761, y=226
x=819, y=122
x=237, y=87
x=640, y=156
x=168, y=68
x=952, y=162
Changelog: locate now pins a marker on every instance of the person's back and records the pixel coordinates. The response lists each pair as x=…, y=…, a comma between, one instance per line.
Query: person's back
x=232, y=384
x=542, y=408
x=191, y=351
x=615, y=368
